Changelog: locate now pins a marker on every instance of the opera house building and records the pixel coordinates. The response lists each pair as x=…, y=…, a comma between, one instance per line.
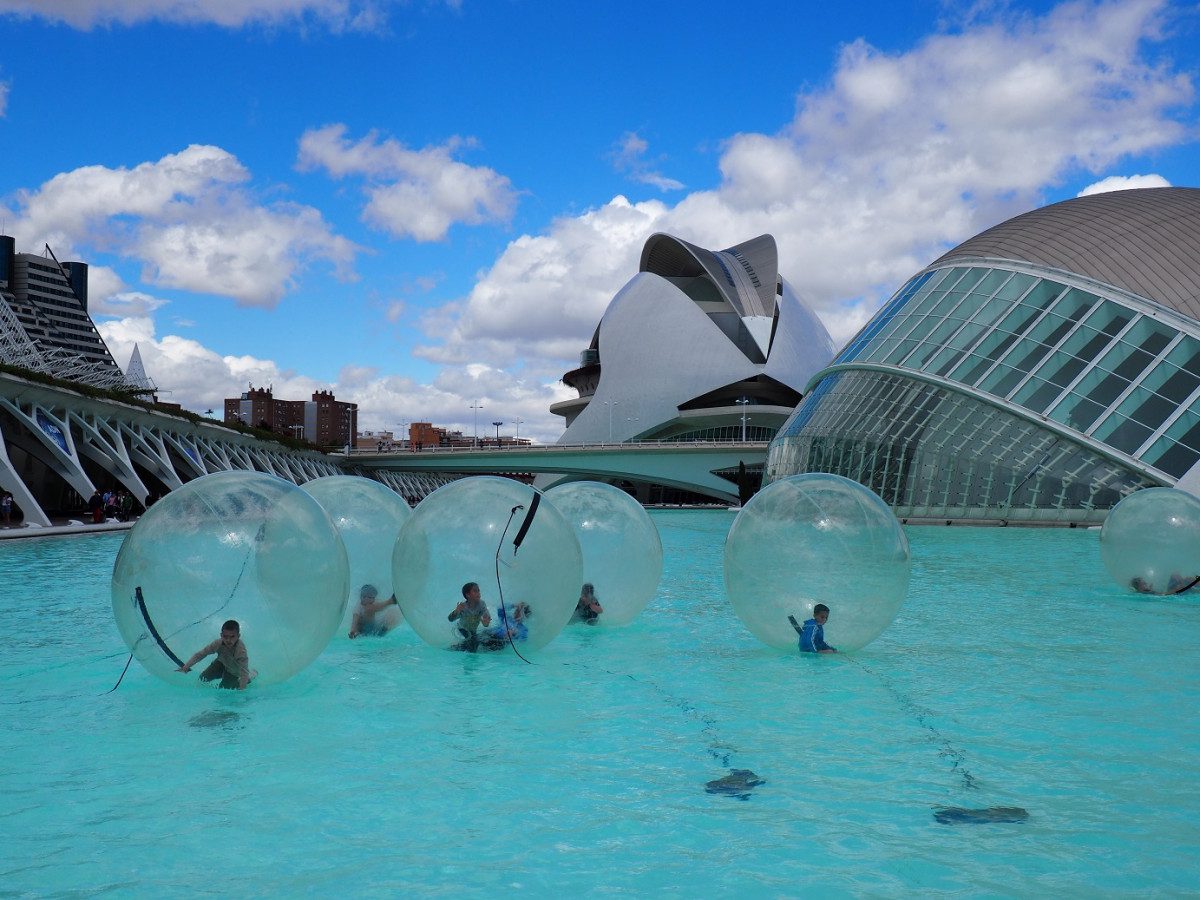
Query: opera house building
x=694, y=343
x=1037, y=373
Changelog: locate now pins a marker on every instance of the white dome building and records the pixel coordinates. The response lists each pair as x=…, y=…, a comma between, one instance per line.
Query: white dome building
x=694, y=342
x=1037, y=373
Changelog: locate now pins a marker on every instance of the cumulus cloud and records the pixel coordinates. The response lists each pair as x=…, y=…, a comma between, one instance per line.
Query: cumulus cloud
x=190, y=219
x=542, y=298
x=418, y=194
x=199, y=378
x=629, y=157
x=336, y=15
x=898, y=157
x=127, y=304
x=1124, y=183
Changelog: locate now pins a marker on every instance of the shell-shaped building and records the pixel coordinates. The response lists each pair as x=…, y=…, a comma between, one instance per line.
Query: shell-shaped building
x=700, y=345
x=1038, y=372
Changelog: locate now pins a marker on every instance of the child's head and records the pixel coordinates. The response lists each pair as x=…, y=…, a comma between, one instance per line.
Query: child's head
x=821, y=613
x=470, y=588
x=230, y=632
x=368, y=593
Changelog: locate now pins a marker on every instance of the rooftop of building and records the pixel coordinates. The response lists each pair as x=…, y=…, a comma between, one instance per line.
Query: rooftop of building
x=1146, y=242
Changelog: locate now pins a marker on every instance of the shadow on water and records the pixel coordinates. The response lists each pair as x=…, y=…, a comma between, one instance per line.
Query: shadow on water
x=216, y=718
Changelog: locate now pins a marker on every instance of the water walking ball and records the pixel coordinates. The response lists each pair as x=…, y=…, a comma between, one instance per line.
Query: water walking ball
x=368, y=515
x=470, y=530
x=1150, y=542
x=812, y=539
x=622, y=552
x=233, y=545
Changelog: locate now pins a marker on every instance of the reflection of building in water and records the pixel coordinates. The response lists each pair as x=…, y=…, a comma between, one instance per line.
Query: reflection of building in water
x=44, y=320
x=1040, y=371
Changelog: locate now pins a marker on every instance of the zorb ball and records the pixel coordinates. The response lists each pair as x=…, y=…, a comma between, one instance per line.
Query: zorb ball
x=471, y=529
x=812, y=539
x=622, y=552
x=1150, y=542
x=368, y=516
x=233, y=545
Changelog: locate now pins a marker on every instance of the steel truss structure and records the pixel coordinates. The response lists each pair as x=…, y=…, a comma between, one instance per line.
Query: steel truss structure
x=58, y=437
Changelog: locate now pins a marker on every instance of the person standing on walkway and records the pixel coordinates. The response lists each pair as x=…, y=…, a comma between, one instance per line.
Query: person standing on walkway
x=96, y=506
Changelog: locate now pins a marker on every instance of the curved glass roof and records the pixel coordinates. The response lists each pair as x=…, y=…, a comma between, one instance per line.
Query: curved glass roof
x=1126, y=378
x=1143, y=241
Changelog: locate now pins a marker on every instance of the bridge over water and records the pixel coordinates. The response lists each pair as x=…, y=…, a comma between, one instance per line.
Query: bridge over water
x=691, y=466
x=58, y=445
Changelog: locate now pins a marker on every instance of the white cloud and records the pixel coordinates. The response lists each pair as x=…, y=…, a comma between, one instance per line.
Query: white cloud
x=103, y=283
x=542, y=298
x=127, y=304
x=199, y=378
x=1123, y=183
x=411, y=193
x=4, y=89
x=190, y=219
x=336, y=15
x=629, y=157
x=899, y=157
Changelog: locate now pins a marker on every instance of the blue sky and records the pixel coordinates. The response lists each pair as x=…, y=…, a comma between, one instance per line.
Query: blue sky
x=421, y=205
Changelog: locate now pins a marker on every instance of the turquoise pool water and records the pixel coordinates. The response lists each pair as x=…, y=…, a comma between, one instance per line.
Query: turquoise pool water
x=1016, y=674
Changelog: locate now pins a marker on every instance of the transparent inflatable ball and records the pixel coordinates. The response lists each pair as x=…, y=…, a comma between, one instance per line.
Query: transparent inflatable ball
x=1150, y=542
x=368, y=516
x=241, y=546
x=816, y=539
x=501, y=535
x=622, y=552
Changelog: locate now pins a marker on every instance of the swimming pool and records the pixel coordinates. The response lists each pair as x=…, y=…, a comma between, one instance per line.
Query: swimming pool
x=1016, y=674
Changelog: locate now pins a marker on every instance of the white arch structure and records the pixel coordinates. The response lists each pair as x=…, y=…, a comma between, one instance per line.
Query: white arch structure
x=59, y=435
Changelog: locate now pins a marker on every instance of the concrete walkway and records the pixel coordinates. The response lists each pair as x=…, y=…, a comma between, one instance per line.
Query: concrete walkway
x=61, y=527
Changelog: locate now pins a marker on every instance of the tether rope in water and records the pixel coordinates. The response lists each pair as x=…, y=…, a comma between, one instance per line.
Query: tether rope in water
x=947, y=750
x=521, y=532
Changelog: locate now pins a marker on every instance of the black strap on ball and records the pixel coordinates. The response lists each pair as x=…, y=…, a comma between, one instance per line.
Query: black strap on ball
x=141, y=603
x=524, y=529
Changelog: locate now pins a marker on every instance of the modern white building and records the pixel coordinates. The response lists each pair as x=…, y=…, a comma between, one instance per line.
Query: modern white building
x=696, y=341
x=1038, y=372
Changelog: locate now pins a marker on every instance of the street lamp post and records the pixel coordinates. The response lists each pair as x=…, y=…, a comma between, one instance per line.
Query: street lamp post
x=517, y=428
x=610, y=404
x=404, y=431
x=497, y=424
x=742, y=403
x=477, y=406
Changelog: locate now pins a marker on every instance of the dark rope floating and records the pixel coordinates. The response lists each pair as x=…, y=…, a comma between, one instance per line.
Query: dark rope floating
x=947, y=750
x=517, y=541
x=739, y=782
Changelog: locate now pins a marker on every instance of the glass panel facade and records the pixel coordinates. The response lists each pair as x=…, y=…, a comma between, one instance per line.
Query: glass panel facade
x=722, y=434
x=935, y=453
x=1116, y=375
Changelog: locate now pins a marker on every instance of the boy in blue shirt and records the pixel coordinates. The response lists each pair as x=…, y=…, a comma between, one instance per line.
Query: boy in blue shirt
x=812, y=633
